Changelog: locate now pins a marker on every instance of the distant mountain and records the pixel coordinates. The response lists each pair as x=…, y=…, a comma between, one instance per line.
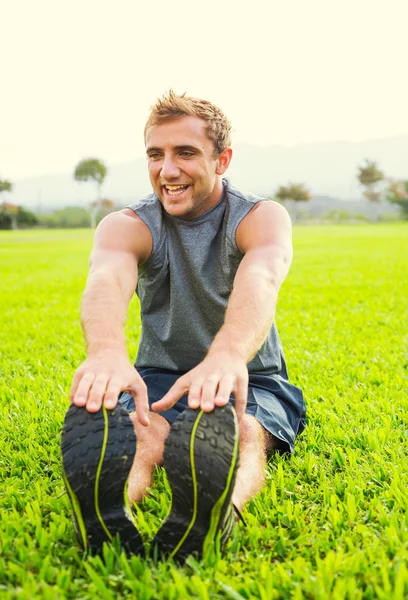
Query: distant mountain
x=125, y=183
x=328, y=169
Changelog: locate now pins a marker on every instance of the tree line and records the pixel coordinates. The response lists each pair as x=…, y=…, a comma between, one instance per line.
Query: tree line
x=376, y=187
x=91, y=170
x=370, y=178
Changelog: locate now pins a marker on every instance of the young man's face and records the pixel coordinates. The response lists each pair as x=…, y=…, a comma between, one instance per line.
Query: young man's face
x=183, y=171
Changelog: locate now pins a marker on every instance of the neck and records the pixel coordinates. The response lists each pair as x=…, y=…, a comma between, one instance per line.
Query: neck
x=217, y=193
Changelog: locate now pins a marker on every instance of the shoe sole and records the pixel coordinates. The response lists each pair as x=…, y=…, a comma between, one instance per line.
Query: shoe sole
x=97, y=454
x=201, y=458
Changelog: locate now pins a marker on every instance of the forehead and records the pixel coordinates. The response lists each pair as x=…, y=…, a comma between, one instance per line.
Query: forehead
x=183, y=131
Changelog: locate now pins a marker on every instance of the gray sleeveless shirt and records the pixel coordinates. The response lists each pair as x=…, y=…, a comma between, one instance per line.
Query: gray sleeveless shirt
x=185, y=284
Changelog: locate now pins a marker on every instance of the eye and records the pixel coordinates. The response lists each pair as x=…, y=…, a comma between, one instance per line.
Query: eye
x=186, y=153
x=154, y=156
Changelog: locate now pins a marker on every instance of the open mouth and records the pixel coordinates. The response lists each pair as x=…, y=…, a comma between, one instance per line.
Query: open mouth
x=175, y=190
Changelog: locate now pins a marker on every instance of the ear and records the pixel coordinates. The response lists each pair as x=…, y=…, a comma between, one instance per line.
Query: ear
x=223, y=161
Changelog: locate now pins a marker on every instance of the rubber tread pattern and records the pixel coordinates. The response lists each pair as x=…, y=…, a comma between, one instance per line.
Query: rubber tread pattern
x=214, y=443
x=81, y=445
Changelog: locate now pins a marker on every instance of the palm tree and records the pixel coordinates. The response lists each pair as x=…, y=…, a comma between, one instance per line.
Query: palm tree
x=294, y=192
x=369, y=175
x=95, y=170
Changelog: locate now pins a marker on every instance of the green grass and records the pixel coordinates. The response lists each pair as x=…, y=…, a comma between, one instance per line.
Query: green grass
x=331, y=523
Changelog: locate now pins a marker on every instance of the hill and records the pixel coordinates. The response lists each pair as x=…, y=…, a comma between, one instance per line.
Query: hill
x=326, y=168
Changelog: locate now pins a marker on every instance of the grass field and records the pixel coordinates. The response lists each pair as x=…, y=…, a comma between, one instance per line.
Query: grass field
x=331, y=523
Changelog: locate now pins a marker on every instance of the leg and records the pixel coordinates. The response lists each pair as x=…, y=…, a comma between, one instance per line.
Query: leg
x=255, y=443
x=149, y=452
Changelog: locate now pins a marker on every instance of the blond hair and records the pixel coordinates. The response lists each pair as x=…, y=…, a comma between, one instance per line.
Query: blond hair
x=173, y=106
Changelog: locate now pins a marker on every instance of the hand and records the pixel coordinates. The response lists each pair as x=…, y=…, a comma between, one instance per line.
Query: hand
x=210, y=384
x=101, y=378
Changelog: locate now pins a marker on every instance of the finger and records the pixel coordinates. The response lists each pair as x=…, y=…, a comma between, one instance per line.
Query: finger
x=113, y=390
x=224, y=390
x=97, y=393
x=81, y=395
x=241, y=396
x=139, y=393
x=74, y=386
x=209, y=392
x=175, y=393
x=194, y=394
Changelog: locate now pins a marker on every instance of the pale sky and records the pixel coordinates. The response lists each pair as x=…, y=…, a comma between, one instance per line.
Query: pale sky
x=77, y=77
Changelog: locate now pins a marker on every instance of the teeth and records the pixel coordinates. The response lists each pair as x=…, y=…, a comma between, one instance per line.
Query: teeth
x=174, y=187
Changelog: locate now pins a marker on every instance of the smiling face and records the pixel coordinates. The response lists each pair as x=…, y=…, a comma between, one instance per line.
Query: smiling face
x=183, y=171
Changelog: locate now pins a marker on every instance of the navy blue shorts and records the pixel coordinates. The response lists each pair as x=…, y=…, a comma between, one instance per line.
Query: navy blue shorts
x=273, y=401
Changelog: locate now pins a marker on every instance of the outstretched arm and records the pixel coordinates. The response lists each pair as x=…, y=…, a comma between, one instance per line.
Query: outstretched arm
x=121, y=242
x=265, y=239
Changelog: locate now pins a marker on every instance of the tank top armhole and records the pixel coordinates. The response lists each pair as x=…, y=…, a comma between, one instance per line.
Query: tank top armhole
x=153, y=222
x=237, y=213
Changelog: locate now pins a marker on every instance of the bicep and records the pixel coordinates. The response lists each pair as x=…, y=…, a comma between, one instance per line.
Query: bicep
x=265, y=239
x=121, y=244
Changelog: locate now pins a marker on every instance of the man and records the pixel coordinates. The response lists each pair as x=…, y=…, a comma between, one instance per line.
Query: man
x=207, y=262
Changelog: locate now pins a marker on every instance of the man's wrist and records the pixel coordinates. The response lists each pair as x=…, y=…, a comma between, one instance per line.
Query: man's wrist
x=102, y=346
x=227, y=342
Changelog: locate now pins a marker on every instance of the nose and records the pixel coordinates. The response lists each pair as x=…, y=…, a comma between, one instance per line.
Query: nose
x=169, y=169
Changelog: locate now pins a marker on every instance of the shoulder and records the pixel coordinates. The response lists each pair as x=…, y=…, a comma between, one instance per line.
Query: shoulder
x=239, y=197
x=268, y=209
x=124, y=231
x=150, y=204
x=267, y=223
x=239, y=205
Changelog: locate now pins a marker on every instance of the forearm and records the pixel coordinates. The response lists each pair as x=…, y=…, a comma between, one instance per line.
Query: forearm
x=249, y=316
x=265, y=239
x=103, y=312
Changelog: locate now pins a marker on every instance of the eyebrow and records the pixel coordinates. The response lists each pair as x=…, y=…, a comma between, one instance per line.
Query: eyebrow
x=182, y=147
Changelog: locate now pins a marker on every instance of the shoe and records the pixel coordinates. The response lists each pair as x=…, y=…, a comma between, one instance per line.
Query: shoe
x=201, y=459
x=97, y=454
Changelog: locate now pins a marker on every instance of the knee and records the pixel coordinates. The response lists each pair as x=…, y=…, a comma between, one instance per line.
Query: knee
x=249, y=431
x=253, y=435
